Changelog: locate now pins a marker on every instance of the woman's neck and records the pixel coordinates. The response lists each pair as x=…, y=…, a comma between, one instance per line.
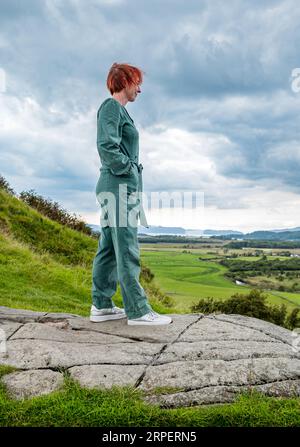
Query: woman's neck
x=121, y=97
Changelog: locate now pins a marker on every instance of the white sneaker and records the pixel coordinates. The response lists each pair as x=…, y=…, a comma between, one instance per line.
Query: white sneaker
x=112, y=313
x=152, y=318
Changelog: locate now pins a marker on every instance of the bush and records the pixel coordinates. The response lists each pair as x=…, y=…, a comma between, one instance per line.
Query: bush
x=252, y=305
x=5, y=185
x=53, y=211
x=146, y=273
x=293, y=321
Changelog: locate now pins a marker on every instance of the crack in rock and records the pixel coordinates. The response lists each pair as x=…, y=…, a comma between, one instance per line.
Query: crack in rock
x=156, y=356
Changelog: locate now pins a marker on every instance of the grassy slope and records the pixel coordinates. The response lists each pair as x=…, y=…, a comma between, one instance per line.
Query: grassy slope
x=43, y=235
x=33, y=281
x=46, y=266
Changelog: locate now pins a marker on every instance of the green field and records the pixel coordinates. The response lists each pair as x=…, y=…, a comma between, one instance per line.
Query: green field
x=187, y=279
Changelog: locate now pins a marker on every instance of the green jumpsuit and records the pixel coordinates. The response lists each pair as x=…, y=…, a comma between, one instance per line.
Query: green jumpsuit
x=118, y=255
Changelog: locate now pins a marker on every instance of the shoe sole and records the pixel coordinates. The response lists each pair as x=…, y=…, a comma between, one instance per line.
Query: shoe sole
x=147, y=323
x=100, y=318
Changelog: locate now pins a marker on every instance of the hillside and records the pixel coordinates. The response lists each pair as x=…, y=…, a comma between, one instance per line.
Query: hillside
x=47, y=266
x=264, y=236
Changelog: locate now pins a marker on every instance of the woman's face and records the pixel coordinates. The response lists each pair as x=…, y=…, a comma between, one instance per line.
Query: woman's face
x=132, y=91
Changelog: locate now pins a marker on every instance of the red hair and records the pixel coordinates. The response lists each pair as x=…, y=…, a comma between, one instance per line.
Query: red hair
x=122, y=75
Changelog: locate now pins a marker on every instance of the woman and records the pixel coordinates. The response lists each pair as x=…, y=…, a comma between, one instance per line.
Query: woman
x=120, y=181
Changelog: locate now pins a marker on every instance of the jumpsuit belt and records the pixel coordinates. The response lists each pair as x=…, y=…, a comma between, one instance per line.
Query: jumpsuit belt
x=143, y=219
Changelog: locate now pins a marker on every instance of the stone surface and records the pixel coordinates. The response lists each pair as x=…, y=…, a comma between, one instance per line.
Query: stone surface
x=33, y=354
x=26, y=384
x=9, y=327
x=55, y=316
x=213, y=329
x=277, y=332
x=162, y=334
x=223, y=350
x=20, y=315
x=60, y=331
x=105, y=376
x=203, y=373
x=195, y=360
x=222, y=394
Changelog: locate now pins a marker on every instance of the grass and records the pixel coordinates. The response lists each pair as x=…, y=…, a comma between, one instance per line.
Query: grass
x=43, y=235
x=38, y=282
x=192, y=279
x=74, y=406
x=30, y=280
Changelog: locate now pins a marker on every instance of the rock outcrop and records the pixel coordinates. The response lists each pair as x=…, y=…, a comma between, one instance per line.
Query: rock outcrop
x=195, y=360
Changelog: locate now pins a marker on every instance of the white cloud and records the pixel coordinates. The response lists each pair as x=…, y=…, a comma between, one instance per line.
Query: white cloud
x=35, y=146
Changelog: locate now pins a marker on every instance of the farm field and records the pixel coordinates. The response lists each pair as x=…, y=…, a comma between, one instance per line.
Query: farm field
x=182, y=275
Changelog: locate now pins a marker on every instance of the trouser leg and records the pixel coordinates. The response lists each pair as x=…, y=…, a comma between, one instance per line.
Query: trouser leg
x=126, y=247
x=104, y=273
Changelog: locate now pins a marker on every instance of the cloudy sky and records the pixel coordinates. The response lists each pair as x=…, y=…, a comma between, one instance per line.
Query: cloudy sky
x=219, y=110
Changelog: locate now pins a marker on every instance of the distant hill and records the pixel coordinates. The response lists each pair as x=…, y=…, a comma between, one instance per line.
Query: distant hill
x=265, y=235
x=180, y=231
x=292, y=234
x=286, y=229
x=220, y=232
x=274, y=236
